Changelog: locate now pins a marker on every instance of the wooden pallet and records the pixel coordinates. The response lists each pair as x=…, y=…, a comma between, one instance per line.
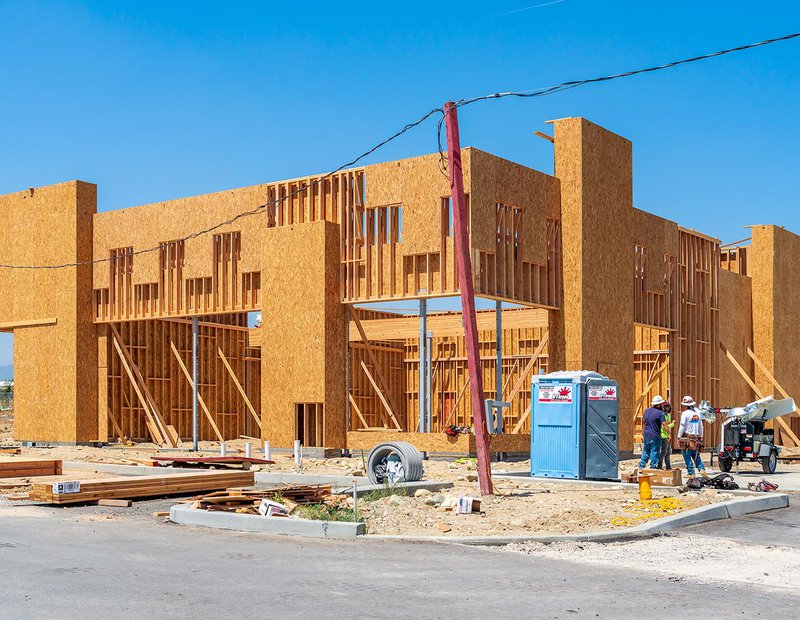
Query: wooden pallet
x=24, y=468
x=142, y=486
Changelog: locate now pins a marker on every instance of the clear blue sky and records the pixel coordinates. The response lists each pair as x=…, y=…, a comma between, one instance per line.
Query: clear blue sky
x=155, y=100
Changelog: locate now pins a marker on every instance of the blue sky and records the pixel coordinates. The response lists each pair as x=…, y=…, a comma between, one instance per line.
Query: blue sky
x=155, y=100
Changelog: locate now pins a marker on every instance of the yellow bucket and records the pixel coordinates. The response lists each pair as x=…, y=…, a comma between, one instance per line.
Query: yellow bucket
x=645, y=490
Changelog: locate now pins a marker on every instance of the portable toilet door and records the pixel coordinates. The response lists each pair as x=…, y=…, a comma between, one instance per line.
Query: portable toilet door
x=555, y=432
x=600, y=430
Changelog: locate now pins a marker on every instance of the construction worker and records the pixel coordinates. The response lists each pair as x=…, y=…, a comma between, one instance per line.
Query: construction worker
x=666, y=439
x=654, y=423
x=690, y=437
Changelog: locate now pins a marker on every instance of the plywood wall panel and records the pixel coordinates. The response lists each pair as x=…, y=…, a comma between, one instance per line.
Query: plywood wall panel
x=303, y=331
x=55, y=369
x=736, y=333
x=595, y=170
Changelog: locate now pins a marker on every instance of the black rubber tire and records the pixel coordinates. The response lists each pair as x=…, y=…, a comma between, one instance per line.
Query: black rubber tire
x=410, y=457
x=725, y=463
x=769, y=463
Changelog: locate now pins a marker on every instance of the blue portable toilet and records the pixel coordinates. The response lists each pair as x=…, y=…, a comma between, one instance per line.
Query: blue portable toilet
x=574, y=426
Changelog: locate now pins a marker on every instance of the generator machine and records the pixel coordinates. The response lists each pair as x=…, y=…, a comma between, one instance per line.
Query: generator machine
x=743, y=436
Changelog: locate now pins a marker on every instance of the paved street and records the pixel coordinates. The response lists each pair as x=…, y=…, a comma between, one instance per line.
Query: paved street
x=84, y=563
x=774, y=527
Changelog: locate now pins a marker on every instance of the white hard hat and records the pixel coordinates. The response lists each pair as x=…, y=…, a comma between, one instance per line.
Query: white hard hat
x=687, y=401
x=657, y=400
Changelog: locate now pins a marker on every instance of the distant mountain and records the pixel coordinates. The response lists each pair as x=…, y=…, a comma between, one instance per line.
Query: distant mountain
x=6, y=372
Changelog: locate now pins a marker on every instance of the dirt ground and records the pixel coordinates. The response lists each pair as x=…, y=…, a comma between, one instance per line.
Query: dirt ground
x=521, y=506
x=524, y=507
x=684, y=558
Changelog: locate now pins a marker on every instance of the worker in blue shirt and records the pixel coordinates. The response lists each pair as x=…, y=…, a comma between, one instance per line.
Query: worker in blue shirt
x=654, y=423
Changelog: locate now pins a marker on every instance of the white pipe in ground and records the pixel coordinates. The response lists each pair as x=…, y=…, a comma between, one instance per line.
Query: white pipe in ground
x=247, y=449
x=267, y=453
x=222, y=449
x=297, y=452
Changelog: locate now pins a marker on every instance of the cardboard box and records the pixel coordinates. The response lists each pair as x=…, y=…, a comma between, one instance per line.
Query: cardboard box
x=468, y=505
x=664, y=477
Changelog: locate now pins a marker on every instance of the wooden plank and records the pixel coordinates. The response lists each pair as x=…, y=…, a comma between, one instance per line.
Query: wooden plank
x=380, y=394
x=522, y=419
x=158, y=434
x=380, y=386
x=649, y=383
x=358, y=411
x=239, y=387
x=129, y=487
x=10, y=325
x=784, y=426
x=529, y=366
x=455, y=404
x=450, y=324
x=200, y=400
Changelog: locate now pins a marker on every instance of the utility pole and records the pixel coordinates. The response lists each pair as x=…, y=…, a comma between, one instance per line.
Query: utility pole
x=194, y=378
x=461, y=242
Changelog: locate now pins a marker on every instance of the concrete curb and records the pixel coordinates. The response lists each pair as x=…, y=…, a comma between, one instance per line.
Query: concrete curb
x=266, y=477
x=714, y=512
x=343, y=530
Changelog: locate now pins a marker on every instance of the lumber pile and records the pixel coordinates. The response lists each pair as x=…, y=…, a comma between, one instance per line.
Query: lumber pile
x=242, y=462
x=81, y=491
x=247, y=501
x=25, y=468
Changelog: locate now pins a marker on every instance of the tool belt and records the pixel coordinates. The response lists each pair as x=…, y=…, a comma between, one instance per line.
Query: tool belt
x=690, y=442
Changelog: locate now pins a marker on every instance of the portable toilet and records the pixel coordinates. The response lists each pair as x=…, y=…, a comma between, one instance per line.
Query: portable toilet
x=574, y=426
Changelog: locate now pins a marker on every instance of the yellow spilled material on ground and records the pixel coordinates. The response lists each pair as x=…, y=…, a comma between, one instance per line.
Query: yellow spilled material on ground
x=647, y=509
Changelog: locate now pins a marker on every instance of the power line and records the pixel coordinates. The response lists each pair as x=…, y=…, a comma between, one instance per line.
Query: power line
x=254, y=211
x=538, y=92
x=558, y=88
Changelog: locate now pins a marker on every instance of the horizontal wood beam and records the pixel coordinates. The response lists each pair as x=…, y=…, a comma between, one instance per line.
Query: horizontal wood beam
x=4, y=327
x=407, y=327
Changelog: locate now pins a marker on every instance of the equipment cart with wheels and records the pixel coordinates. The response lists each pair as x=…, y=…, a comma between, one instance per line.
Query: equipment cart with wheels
x=744, y=436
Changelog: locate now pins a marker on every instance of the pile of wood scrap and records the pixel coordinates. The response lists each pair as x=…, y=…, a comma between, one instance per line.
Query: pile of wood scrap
x=9, y=450
x=82, y=491
x=247, y=501
x=24, y=468
x=240, y=462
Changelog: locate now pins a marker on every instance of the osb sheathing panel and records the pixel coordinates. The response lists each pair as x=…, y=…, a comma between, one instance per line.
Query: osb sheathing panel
x=149, y=225
x=657, y=234
x=595, y=170
x=496, y=180
x=736, y=333
x=303, y=348
x=55, y=365
x=418, y=185
x=438, y=442
x=774, y=256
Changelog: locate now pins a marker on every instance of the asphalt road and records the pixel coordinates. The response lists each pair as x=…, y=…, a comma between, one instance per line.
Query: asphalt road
x=773, y=527
x=81, y=563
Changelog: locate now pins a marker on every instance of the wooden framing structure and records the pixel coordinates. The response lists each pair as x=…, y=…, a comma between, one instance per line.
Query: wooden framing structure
x=103, y=349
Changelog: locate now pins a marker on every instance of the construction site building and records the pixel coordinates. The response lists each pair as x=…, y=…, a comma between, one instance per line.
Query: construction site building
x=103, y=337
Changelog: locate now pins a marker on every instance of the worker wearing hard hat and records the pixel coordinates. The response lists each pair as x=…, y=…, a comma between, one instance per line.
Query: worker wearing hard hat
x=690, y=437
x=654, y=423
x=665, y=455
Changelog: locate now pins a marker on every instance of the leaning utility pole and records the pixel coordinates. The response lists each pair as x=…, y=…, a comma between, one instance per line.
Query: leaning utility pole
x=461, y=243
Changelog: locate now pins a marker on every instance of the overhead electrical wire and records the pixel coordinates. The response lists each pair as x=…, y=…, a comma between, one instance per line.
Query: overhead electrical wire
x=538, y=92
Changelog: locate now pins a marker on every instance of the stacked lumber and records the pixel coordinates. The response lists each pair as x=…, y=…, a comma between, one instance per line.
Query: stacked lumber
x=242, y=462
x=138, y=486
x=24, y=468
